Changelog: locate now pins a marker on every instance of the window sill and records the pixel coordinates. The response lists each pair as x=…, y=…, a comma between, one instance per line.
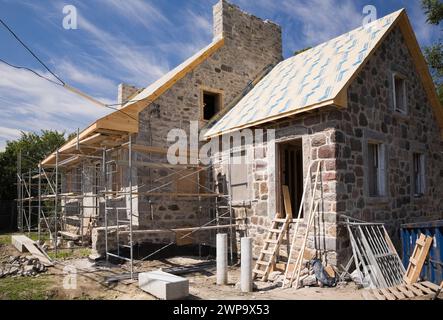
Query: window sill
x=401, y=115
x=419, y=198
x=377, y=200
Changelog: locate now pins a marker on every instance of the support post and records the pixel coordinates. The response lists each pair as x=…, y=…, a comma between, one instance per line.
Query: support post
x=131, y=247
x=39, y=200
x=246, y=265
x=29, y=201
x=222, y=258
x=56, y=204
x=104, y=182
x=19, y=192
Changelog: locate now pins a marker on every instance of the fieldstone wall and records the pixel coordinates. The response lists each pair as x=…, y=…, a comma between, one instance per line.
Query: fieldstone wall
x=371, y=116
x=251, y=45
x=339, y=137
x=319, y=144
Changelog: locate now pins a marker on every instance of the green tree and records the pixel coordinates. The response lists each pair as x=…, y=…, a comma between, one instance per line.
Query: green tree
x=434, y=54
x=34, y=148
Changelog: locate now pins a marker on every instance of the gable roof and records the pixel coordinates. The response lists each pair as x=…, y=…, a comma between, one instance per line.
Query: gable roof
x=320, y=77
x=125, y=120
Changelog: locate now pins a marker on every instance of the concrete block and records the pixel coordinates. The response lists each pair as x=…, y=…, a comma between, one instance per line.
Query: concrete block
x=164, y=285
x=19, y=241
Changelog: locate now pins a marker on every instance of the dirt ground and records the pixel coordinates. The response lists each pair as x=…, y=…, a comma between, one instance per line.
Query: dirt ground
x=90, y=283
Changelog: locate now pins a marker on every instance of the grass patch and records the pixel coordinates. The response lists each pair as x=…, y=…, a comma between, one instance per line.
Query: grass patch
x=25, y=288
x=65, y=254
x=5, y=239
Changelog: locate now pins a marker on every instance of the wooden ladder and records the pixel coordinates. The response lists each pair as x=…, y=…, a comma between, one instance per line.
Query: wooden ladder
x=417, y=259
x=271, y=246
x=294, y=275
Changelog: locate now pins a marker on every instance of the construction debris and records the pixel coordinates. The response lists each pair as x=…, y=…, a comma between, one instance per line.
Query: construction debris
x=375, y=257
x=440, y=289
x=25, y=266
x=326, y=276
x=23, y=244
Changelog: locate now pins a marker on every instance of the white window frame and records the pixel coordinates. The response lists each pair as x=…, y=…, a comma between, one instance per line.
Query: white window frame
x=395, y=76
x=422, y=174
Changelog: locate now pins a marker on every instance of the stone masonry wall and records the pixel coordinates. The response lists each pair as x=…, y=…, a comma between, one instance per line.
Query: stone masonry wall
x=370, y=116
x=340, y=137
x=319, y=143
x=251, y=45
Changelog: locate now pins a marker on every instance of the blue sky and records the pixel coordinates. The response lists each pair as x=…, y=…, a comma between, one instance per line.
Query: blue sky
x=136, y=41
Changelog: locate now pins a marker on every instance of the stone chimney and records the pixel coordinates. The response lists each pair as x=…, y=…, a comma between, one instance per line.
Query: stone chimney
x=243, y=30
x=125, y=93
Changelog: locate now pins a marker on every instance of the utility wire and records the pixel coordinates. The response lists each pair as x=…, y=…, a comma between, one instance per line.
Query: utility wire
x=29, y=50
x=30, y=70
x=62, y=83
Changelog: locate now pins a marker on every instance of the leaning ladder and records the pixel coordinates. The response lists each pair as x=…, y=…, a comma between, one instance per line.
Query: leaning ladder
x=270, y=248
x=295, y=274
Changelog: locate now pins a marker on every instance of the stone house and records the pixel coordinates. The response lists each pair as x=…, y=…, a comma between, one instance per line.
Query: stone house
x=363, y=104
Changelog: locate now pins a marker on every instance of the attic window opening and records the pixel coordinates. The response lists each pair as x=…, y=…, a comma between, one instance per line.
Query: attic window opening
x=212, y=104
x=400, y=103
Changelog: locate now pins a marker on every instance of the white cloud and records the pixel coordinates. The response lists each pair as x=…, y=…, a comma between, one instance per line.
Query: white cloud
x=138, y=11
x=80, y=75
x=29, y=103
x=7, y=134
x=424, y=31
x=133, y=63
x=322, y=20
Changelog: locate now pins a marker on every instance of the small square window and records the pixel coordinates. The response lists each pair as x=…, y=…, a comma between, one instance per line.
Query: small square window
x=400, y=101
x=212, y=104
x=376, y=170
x=419, y=174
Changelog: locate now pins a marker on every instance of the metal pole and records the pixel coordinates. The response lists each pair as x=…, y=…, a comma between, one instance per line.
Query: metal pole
x=106, y=207
x=56, y=203
x=39, y=200
x=79, y=176
x=19, y=194
x=22, y=202
x=29, y=202
x=231, y=233
x=130, y=207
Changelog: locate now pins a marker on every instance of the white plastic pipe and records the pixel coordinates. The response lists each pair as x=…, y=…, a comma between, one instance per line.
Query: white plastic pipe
x=246, y=265
x=222, y=258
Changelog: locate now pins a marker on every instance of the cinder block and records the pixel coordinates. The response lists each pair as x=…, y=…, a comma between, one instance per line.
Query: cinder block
x=164, y=285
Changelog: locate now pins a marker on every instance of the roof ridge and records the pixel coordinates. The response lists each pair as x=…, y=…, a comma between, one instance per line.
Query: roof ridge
x=398, y=12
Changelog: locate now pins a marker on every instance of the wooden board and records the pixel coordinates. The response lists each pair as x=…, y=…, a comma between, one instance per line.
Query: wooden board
x=402, y=292
x=183, y=238
x=417, y=259
x=423, y=288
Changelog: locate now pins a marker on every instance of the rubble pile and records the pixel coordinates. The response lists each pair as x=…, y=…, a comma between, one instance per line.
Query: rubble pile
x=24, y=266
x=314, y=274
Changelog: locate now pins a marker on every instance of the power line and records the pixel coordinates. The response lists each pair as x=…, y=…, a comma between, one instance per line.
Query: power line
x=29, y=50
x=30, y=70
x=63, y=83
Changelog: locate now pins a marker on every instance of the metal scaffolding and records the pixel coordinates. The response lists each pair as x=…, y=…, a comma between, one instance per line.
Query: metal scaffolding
x=158, y=188
x=117, y=170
